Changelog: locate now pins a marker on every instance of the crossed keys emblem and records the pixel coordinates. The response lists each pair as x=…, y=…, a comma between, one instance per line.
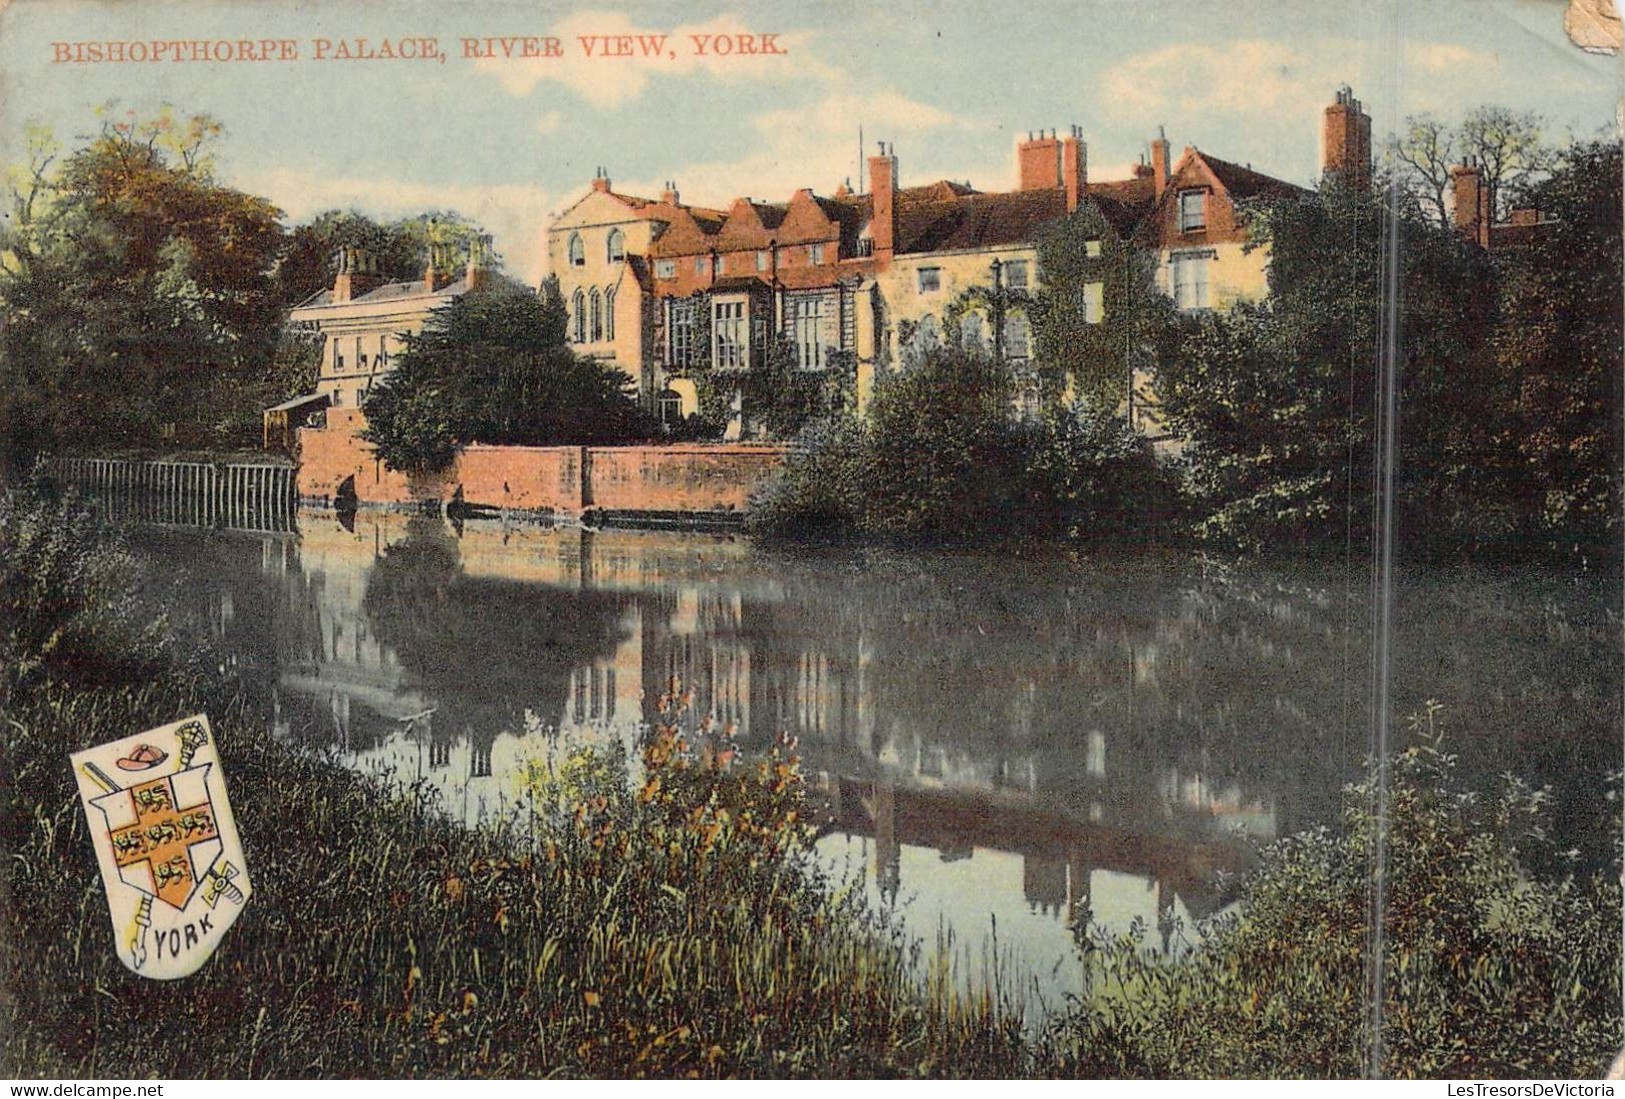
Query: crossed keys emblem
x=169, y=842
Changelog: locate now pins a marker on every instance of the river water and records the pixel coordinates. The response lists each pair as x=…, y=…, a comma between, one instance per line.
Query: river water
x=998, y=742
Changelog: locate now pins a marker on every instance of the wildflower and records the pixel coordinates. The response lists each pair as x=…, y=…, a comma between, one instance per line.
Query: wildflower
x=591, y=998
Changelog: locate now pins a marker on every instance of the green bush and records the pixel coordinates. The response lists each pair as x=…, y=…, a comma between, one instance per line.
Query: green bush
x=819, y=494
x=942, y=457
x=69, y=609
x=1493, y=968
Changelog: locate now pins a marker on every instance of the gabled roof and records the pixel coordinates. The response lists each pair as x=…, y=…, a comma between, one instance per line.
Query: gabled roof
x=686, y=234
x=637, y=269
x=806, y=219
x=1243, y=182
x=749, y=225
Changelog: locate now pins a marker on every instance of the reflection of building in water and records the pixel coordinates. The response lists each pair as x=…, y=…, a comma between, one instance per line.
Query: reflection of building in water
x=1062, y=743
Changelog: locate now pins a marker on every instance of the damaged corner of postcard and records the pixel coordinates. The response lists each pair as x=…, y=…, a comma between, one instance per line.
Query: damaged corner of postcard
x=1593, y=25
x=166, y=844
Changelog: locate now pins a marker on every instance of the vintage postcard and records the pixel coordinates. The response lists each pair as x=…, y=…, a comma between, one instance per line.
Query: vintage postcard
x=761, y=539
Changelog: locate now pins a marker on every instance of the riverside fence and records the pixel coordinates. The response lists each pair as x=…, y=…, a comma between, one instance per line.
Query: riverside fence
x=237, y=496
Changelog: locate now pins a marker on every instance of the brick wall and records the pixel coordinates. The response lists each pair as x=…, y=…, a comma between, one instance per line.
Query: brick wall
x=562, y=480
x=677, y=478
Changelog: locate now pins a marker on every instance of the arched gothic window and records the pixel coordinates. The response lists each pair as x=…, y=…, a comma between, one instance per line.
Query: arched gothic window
x=578, y=251
x=578, y=317
x=597, y=316
x=617, y=246
x=1018, y=336
x=609, y=313
x=973, y=332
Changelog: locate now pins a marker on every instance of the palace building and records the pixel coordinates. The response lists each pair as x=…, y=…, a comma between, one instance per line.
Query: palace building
x=666, y=290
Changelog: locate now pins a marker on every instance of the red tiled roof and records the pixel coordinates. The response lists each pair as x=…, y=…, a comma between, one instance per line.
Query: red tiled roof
x=1243, y=182
x=977, y=220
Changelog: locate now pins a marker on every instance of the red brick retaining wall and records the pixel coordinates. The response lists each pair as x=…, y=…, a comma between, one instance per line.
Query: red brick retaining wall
x=568, y=480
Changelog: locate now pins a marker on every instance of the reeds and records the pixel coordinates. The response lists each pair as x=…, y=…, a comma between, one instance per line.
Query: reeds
x=678, y=928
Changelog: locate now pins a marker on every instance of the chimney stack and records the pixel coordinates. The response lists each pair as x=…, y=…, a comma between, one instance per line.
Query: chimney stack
x=1038, y=163
x=1345, y=144
x=1471, y=216
x=669, y=196
x=600, y=181
x=357, y=274
x=1159, y=161
x=1075, y=168
x=883, y=197
x=479, y=261
x=437, y=273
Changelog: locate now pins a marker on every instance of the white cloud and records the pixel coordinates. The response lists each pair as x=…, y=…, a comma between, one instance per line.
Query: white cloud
x=1237, y=77
x=1441, y=56
x=839, y=116
x=813, y=146
x=612, y=81
x=516, y=215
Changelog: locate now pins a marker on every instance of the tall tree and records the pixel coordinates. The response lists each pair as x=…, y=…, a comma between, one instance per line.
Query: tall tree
x=493, y=367
x=1506, y=145
x=1562, y=327
x=138, y=290
x=1277, y=398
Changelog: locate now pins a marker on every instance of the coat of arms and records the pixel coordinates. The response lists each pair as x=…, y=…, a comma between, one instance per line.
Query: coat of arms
x=166, y=843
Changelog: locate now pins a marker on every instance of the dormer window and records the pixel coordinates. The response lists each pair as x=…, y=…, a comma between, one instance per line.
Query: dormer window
x=578, y=251
x=761, y=261
x=665, y=269
x=1192, y=211
x=617, y=246
x=815, y=253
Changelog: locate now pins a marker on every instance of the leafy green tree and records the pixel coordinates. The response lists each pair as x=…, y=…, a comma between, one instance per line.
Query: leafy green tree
x=493, y=367
x=1276, y=399
x=138, y=291
x=1506, y=145
x=1558, y=344
x=946, y=456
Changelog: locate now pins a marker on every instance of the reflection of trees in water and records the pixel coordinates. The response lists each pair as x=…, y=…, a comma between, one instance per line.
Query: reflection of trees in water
x=484, y=650
x=1253, y=679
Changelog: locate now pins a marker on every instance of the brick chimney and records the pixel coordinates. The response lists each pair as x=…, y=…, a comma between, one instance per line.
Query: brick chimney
x=600, y=181
x=437, y=274
x=1471, y=214
x=1038, y=162
x=669, y=196
x=1345, y=141
x=1159, y=161
x=1074, y=167
x=357, y=274
x=479, y=261
x=883, y=197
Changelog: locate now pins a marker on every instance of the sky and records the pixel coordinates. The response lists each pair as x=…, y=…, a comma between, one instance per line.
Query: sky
x=951, y=85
